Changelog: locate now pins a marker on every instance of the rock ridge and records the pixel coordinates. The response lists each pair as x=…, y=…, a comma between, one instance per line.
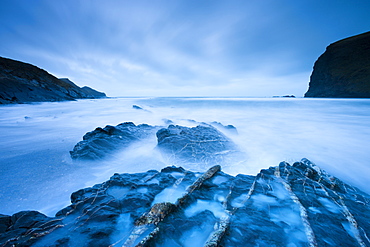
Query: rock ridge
x=23, y=83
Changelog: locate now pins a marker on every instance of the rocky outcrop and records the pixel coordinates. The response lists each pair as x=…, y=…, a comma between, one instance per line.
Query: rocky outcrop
x=343, y=70
x=21, y=83
x=203, y=144
x=286, y=205
x=103, y=142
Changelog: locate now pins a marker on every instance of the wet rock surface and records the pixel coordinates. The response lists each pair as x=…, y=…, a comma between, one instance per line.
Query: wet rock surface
x=22, y=83
x=105, y=141
x=286, y=205
x=203, y=144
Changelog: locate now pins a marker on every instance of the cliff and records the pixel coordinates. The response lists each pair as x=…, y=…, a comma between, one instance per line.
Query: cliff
x=21, y=82
x=343, y=70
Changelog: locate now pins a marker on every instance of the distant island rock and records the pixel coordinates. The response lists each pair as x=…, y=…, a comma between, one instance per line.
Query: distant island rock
x=343, y=70
x=22, y=82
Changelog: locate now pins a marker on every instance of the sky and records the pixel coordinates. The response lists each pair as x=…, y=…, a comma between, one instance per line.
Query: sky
x=180, y=47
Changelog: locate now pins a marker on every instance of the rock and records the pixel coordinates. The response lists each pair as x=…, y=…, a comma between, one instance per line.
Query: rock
x=21, y=83
x=137, y=107
x=24, y=228
x=5, y=222
x=285, y=96
x=89, y=92
x=105, y=141
x=343, y=70
x=286, y=205
x=203, y=144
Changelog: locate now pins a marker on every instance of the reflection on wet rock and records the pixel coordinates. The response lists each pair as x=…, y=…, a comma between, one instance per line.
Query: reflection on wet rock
x=286, y=205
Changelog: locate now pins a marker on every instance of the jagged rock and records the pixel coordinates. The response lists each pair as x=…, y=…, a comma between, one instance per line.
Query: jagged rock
x=105, y=141
x=286, y=205
x=203, y=144
x=343, y=70
x=21, y=82
x=24, y=228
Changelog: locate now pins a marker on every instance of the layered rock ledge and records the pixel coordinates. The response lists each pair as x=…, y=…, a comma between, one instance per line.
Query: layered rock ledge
x=343, y=70
x=203, y=145
x=286, y=205
x=22, y=83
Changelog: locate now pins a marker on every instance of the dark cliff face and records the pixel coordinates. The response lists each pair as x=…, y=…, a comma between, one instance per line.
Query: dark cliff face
x=21, y=82
x=343, y=70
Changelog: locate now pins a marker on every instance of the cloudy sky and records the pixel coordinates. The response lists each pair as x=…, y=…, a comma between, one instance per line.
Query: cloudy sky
x=179, y=47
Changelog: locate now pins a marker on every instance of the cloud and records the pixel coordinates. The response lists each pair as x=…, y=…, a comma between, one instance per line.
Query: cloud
x=128, y=48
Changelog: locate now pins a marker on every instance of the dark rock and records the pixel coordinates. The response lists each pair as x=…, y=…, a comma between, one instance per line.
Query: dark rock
x=103, y=142
x=5, y=222
x=89, y=92
x=21, y=83
x=92, y=93
x=285, y=96
x=137, y=107
x=343, y=70
x=286, y=205
x=203, y=144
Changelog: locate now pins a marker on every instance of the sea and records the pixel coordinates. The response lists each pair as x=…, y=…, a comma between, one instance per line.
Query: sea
x=37, y=172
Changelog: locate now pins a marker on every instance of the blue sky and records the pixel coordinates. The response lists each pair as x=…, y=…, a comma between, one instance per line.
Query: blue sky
x=179, y=47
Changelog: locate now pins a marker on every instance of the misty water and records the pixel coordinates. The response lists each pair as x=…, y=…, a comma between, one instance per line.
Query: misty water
x=37, y=173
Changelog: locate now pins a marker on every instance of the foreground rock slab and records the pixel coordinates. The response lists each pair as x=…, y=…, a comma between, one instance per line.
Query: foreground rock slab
x=286, y=205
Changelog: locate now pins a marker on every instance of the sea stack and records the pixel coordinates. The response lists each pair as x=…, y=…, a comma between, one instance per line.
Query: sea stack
x=343, y=70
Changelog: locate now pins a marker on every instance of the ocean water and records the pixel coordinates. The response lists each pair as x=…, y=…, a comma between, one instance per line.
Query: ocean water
x=37, y=173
